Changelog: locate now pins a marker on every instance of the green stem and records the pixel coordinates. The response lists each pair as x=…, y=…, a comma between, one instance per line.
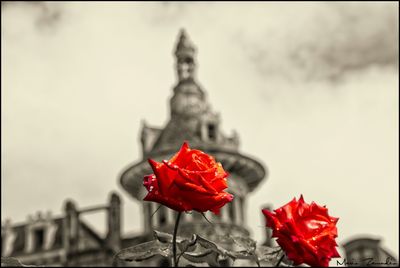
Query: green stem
x=280, y=260
x=178, y=217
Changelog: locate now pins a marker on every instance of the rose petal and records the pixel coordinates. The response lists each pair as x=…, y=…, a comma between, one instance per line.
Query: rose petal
x=180, y=158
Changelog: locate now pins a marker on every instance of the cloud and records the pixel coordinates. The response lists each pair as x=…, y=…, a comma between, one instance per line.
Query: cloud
x=44, y=16
x=325, y=40
x=298, y=42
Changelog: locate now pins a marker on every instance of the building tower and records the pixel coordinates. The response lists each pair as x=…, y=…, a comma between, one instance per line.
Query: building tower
x=192, y=119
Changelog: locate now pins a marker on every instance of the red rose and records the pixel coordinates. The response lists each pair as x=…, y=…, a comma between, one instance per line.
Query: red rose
x=190, y=180
x=305, y=232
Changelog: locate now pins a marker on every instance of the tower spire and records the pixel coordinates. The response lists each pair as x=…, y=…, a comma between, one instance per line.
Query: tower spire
x=185, y=61
x=193, y=120
x=188, y=100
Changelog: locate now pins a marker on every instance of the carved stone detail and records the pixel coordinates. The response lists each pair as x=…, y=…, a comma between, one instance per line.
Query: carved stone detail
x=9, y=236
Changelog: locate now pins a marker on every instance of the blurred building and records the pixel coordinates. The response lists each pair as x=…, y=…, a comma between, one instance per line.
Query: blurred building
x=367, y=251
x=68, y=240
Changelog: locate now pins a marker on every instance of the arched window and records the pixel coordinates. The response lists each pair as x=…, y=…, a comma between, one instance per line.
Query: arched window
x=153, y=213
x=241, y=208
x=237, y=205
x=162, y=215
x=231, y=211
x=147, y=215
x=212, y=132
x=38, y=238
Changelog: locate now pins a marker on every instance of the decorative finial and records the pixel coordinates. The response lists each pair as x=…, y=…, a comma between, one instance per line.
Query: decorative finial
x=114, y=198
x=184, y=47
x=184, y=52
x=69, y=206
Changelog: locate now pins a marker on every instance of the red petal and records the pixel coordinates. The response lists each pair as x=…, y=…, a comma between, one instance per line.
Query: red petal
x=200, y=161
x=220, y=184
x=153, y=164
x=163, y=174
x=180, y=158
x=185, y=185
x=223, y=199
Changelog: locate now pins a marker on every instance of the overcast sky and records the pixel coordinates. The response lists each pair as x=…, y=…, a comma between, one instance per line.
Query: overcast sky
x=311, y=89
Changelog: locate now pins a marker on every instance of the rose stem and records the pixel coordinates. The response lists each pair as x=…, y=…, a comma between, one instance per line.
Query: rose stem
x=280, y=260
x=178, y=216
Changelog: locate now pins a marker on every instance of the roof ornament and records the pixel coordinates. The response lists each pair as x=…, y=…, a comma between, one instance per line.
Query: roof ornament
x=185, y=52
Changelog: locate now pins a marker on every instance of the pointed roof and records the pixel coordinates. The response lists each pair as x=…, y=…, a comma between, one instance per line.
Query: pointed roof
x=184, y=46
